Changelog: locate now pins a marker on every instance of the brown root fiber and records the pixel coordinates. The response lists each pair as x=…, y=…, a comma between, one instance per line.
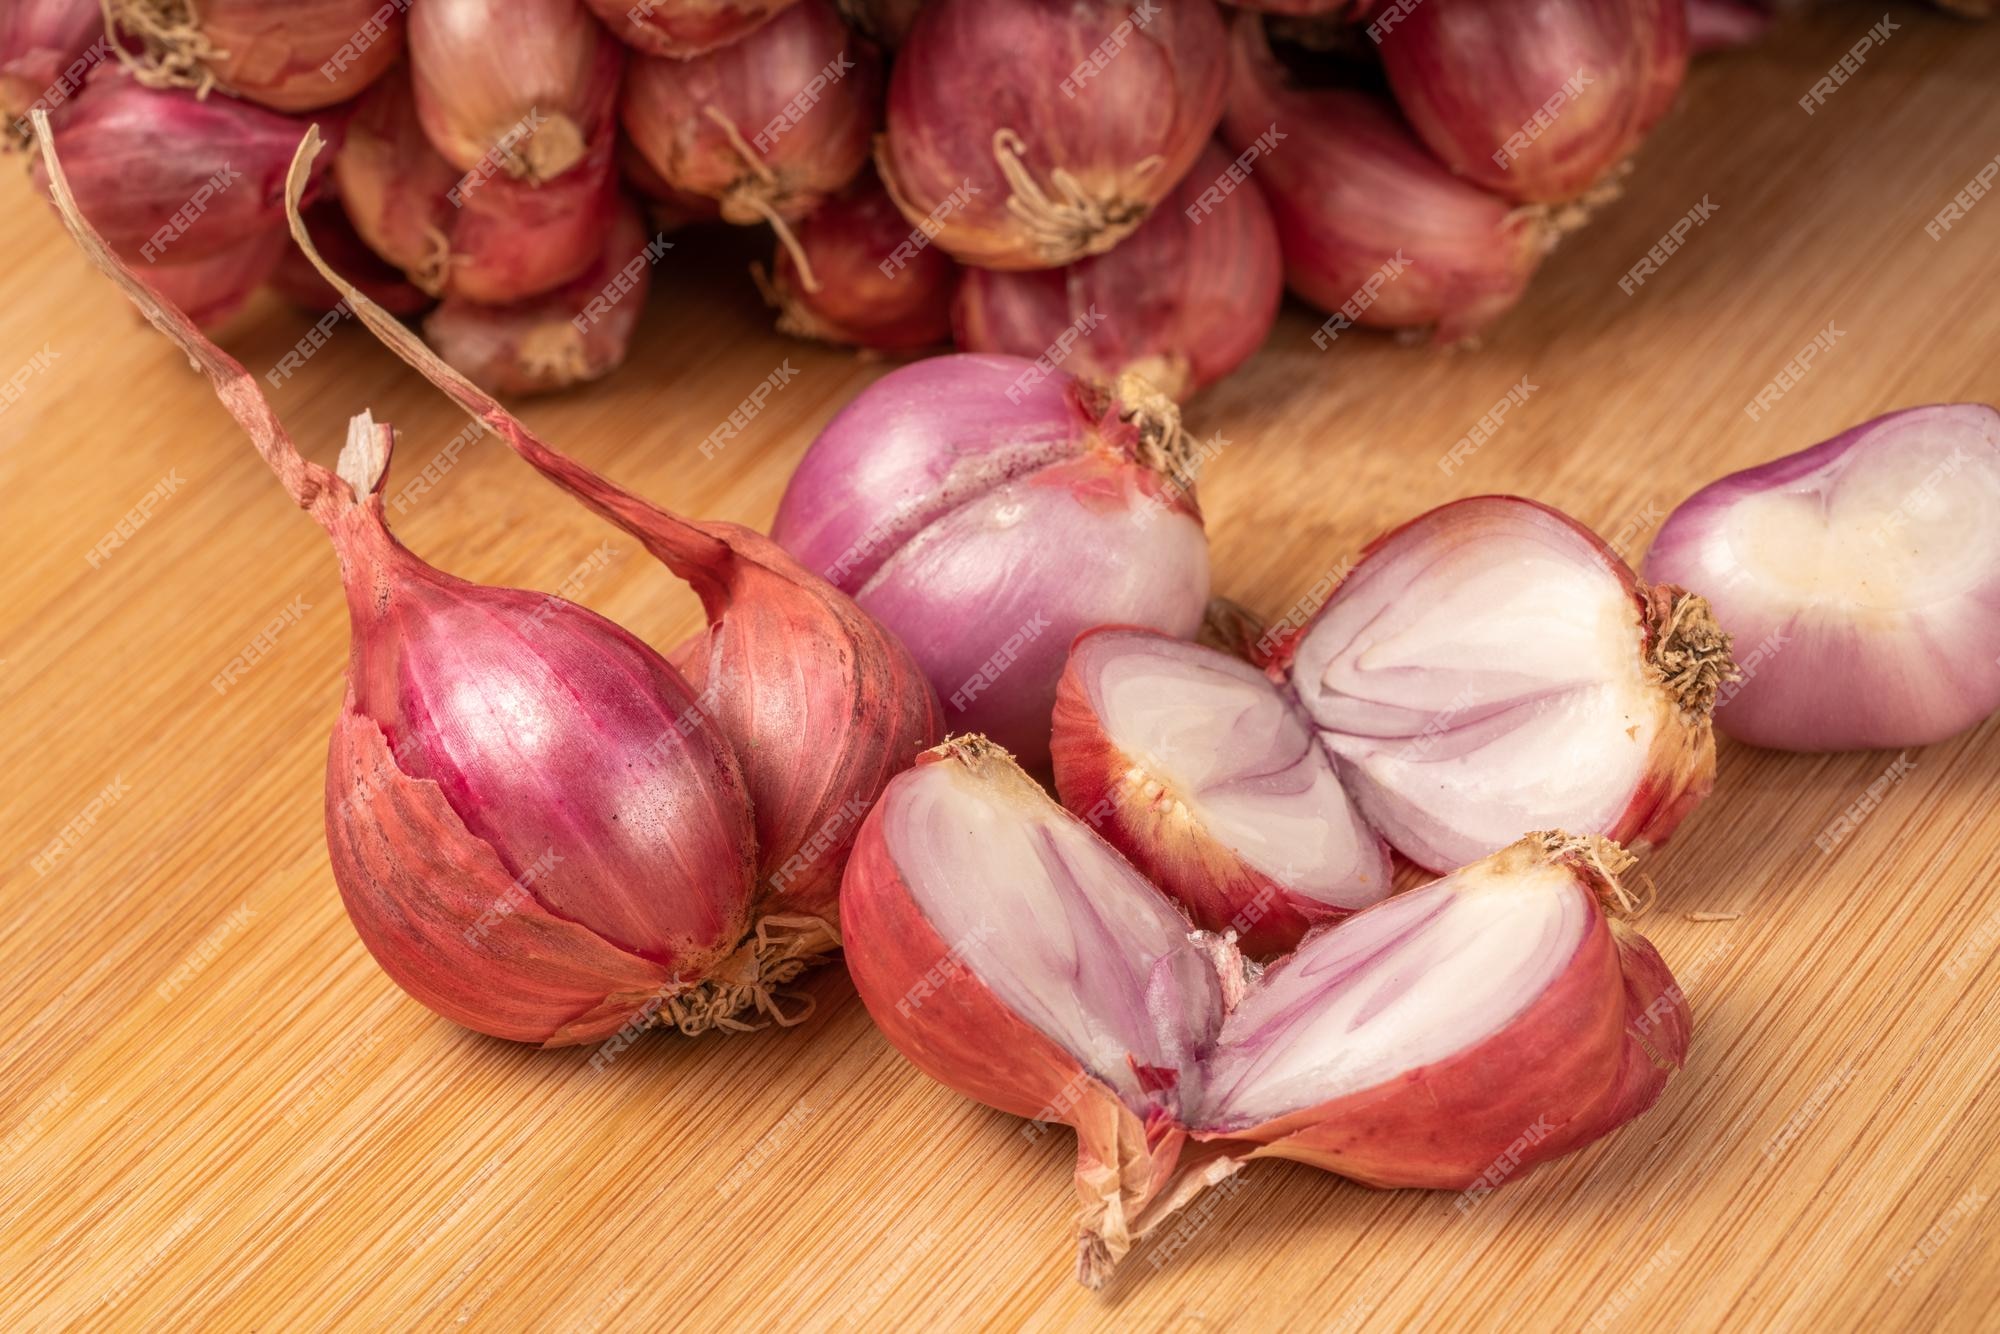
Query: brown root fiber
x=746, y=983
x=174, y=51
x=1687, y=651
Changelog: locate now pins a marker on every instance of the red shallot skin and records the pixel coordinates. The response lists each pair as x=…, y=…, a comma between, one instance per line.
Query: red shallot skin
x=1005, y=135
x=213, y=291
x=767, y=126
x=296, y=280
x=879, y=284
x=298, y=56
x=683, y=28
x=510, y=240
x=950, y=498
x=46, y=49
x=1301, y=8
x=1229, y=840
x=1493, y=86
x=887, y=21
x=1183, y=301
x=1493, y=665
x=1860, y=579
x=168, y=177
x=1371, y=225
x=392, y=183
x=524, y=87
x=576, y=333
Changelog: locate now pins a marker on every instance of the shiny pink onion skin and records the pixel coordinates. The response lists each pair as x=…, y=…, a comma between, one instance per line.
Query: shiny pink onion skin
x=684, y=28
x=789, y=157
x=1492, y=666
x=135, y=156
x=1016, y=958
x=301, y=55
x=1205, y=773
x=1473, y=76
x=1183, y=301
x=45, y=52
x=392, y=184
x=879, y=285
x=954, y=515
x=1860, y=579
x=973, y=71
x=1362, y=206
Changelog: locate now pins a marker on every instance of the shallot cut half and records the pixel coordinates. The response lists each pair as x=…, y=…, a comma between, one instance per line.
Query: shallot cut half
x=1206, y=774
x=1493, y=666
x=1445, y=1038
x=1860, y=579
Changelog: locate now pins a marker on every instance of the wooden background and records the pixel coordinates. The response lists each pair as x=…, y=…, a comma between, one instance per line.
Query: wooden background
x=217, y=1113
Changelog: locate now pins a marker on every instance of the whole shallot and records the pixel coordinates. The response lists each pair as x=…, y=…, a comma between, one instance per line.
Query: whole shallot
x=297, y=56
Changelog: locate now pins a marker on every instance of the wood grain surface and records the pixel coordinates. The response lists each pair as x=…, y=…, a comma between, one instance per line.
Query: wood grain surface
x=217, y=1113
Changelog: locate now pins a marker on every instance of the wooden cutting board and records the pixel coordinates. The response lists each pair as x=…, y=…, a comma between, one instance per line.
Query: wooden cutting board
x=217, y=1113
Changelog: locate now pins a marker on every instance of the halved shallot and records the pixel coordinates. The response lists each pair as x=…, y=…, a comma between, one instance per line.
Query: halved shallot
x=1449, y=1037
x=1863, y=578
x=1206, y=774
x=1031, y=134
x=1492, y=666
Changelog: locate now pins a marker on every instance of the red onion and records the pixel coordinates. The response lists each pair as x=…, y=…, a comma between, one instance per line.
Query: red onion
x=1492, y=666
x=169, y=177
x=577, y=333
x=47, y=48
x=299, y=282
x=818, y=737
x=1207, y=775
x=1534, y=99
x=875, y=286
x=1374, y=231
x=515, y=89
x=684, y=28
x=297, y=56
x=214, y=290
x=532, y=830
x=1447, y=1038
x=1861, y=582
x=955, y=498
x=1031, y=133
x=768, y=126
x=1182, y=301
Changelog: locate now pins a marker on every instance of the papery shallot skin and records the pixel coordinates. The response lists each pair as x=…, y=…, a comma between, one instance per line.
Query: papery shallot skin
x=1536, y=100
x=47, y=47
x=875, y=281
x=1374, y=228
x=1239, y=816
x=1182, y=301
x=1860, y=579
x=297, y=56
x=952, y=498
x=684, y=28
x=1031, y=133
x=1492, y=665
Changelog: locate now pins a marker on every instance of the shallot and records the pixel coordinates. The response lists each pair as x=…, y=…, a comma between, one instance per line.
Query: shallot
x=1206, y=774
x=213, y=290
x=47, y=48
x=1446, y=1038
x=299, y=282
x=684, y=28
x=1862, y=576
x=990, y=509
x=1182, y=301
x=295, y=56
x=1492, y=666
x=875, y=285
x=1029, y=134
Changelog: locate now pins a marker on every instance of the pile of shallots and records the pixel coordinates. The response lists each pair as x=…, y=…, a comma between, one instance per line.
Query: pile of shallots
x=1105, y=185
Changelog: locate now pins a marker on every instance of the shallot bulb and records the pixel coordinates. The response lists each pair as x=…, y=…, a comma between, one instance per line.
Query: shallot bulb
x=683, y=28
x=1182, y=301
x=1860, y=579
x=297, y=56
x=1031, y=133
x=988, y=511
x=214, y=290
x=1537, y=100
x=821, y=704
x=574, y=334
x=1374, y=230
x=887, y=21
x=299, y=282
x=1015, y=957
x=1720, y=25
x=1492, y=666
x=768, y=126
x=876, y=283
x=169, y=177
x=518, y=88
x=532, y=830
x=1206, y=774
x=47, y=48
